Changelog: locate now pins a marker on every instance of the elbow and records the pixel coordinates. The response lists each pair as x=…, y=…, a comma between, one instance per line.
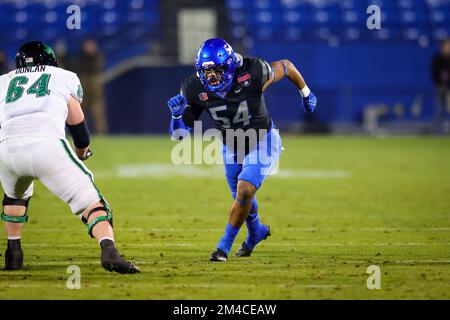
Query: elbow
x=287, y=66
x=287, y=63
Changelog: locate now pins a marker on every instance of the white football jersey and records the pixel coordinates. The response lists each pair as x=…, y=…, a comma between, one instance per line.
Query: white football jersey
x=33, y=101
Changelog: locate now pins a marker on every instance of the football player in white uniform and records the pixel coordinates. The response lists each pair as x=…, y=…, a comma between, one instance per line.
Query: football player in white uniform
x=37, y=101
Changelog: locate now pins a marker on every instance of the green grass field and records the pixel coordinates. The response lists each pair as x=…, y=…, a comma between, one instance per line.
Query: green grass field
x=339, y=205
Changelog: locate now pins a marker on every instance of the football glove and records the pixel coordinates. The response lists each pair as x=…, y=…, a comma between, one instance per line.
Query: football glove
x=88, y=154
x=310, y=103
x=176, y=105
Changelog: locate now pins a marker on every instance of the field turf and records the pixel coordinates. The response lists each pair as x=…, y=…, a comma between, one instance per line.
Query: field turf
x=339, y=205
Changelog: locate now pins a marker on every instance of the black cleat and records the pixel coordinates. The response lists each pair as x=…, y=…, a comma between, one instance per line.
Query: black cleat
x=218, y=256
x=112, y=261
x=245, y=251
x=14, y=255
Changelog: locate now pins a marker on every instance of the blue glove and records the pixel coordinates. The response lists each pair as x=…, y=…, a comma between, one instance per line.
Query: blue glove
x=176, y=105
x=310, y=103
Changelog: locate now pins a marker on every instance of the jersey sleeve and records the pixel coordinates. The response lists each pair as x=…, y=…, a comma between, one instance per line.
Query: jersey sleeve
x=73, y=86
x=261, y=71
x=192, y=111
x=76, y=89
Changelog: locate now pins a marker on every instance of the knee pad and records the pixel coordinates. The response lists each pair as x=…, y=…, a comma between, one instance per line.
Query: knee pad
x=7, y=201
x=108, y=217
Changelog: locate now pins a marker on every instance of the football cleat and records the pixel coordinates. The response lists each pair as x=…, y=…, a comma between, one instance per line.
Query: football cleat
x=112, y=261
x=245, y=251
x=13, y=259
x=218, y=256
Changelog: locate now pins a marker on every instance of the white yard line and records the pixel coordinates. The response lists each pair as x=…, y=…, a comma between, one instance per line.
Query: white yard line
x=216, y=171
x=282, y=229
x=269, y=244
x=351, y=244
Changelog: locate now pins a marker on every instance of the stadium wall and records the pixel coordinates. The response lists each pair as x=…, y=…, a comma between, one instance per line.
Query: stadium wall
x=347, y=80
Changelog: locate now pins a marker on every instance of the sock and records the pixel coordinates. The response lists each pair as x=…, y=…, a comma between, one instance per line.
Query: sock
x=106, y=243
x=253, y=223
x=228, y=238
x=105, y=238
x=14, y=244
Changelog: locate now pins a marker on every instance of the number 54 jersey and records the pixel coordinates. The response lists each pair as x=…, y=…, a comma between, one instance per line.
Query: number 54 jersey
x=243, y=107
x=33, y=101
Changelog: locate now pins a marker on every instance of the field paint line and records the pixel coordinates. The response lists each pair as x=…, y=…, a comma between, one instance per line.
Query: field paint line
x=372, y=261
x=268, y=244
x=223, y=285
x=431, y=229
x=351, y=244
x=284, y=229
x=199, y=171
x=421, y=261
x=152, y=262
x=46, y=245
x=58, y=286
x=319, y=286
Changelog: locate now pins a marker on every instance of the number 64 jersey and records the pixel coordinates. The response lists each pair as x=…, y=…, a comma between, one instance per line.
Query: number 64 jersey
x=33, y=101
x=243, y=107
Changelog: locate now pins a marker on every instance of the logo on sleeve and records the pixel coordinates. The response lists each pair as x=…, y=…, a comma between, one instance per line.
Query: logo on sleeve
x=244, y=79
x=203, y=96
x=80, y=92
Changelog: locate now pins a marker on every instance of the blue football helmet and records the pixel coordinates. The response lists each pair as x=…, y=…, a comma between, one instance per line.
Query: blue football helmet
x=215, y=64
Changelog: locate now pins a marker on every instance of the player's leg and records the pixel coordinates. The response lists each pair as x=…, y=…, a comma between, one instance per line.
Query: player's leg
x=244, y=204
x=232, y=170
x=15, y=204
x=256, y=232
x=98, y=218
x=256, y=169
x=17, y=182
x=69, y=179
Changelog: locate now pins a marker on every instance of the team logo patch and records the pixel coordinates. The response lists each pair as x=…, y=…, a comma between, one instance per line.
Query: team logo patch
x=203, y=96
x=244, y=79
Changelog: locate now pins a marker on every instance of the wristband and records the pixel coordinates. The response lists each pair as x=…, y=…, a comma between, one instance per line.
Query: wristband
x=305, y=91
x=80, y=134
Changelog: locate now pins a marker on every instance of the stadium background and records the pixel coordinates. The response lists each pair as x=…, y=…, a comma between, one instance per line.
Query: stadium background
x=376, y=81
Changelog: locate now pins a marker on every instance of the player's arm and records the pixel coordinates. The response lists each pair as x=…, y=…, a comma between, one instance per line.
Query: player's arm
x=286, y=69
x=78, y=129
x=183, y=116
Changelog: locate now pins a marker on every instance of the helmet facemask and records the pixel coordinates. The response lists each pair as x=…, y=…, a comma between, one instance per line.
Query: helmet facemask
x=215, y=76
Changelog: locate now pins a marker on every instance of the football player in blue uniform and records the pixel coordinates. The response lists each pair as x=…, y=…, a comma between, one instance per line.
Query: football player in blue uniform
x=230, y=88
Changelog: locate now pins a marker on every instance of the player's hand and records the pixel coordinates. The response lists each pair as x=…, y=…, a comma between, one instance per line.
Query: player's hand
x=176, y=105
x=83, y=154
x=310, y=103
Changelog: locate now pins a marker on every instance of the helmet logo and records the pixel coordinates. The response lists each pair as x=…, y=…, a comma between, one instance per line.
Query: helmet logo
x=29, y=61
x=227, y=48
